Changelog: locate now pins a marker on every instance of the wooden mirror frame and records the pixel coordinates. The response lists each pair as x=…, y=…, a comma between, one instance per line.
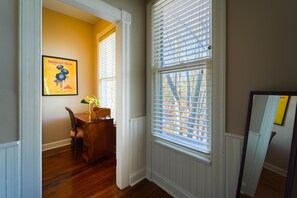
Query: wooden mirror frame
x=293, y=151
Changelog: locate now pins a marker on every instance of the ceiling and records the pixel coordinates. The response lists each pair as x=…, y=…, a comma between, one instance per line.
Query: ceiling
x=70, y=11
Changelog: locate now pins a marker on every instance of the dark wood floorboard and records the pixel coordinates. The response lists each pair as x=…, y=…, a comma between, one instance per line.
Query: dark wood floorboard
x=65, y=177
x=271, y=185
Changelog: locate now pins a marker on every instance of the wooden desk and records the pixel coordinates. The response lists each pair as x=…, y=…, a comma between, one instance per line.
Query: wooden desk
x=99, y=137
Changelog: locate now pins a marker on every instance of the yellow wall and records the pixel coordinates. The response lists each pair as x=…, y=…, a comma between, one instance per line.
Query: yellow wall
x=67, y=37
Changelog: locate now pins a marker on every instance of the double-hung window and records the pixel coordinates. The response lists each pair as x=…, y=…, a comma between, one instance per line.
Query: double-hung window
x=107, y=72
x=181, y=67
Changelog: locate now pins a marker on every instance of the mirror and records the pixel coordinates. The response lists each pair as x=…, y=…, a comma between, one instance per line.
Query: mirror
x=268, y=156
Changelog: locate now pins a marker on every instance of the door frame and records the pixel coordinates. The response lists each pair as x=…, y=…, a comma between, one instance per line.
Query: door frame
x=30, y=51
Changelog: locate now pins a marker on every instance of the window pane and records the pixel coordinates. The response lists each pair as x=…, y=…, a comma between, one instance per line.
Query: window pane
x=182, y=108
x=107, y=56
x=108, y=91
x=182, y=32
x=107, y=71
x=182, y=91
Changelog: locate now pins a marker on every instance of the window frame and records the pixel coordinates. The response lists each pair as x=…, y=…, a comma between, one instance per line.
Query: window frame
x=205, y=156
x=218, y=63
x=100, y=37
x=193, y=66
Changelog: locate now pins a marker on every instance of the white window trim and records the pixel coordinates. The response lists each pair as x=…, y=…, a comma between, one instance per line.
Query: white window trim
x=217, y=157
x=205, y=158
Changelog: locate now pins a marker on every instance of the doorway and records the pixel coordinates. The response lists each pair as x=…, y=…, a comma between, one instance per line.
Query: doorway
x=30, y=52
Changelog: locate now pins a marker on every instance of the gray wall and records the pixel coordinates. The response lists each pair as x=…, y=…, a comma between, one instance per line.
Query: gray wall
x=137, y=9
x=9, y=71
x=261, y=53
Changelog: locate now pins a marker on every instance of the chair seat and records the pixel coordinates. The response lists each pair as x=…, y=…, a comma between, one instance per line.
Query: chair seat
x=80, y=133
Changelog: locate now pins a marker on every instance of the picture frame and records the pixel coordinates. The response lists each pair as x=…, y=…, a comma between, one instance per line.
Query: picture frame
x=59, y=76
x=281, y=110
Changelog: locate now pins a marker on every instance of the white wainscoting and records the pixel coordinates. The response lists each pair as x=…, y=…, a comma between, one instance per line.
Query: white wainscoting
x=179, y=174
x=10, y=170
x=137, y=150
x=234, y=144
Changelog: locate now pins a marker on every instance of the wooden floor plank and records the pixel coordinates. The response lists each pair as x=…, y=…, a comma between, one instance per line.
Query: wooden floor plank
x=271, y=185
x=65, y=177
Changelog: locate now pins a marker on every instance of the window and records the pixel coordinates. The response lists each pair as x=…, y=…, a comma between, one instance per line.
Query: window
x=107, y=72
x=181, y=57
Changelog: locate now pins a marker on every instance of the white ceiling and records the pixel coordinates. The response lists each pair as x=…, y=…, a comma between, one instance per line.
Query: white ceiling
x=69, y=10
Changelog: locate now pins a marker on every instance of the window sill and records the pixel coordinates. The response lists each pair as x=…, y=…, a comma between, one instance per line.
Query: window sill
x=189, y=152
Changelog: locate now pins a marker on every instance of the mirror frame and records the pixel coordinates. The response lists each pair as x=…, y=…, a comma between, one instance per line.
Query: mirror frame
x=293, y=151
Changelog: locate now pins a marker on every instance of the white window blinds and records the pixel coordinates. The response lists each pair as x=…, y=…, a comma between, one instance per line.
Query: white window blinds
x=107, y=72
x=181, y=31
x=181, y=51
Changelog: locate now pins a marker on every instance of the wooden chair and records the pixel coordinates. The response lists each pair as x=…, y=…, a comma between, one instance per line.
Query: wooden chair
x=75, y=132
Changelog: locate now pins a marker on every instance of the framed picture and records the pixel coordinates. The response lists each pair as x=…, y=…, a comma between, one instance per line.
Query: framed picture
x=281, y=110
x=59, y=76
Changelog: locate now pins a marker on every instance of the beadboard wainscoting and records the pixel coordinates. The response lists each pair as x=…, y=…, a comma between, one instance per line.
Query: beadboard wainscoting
x=234, y=144
x=137, y=150
x=10, y=170
x=179, y=174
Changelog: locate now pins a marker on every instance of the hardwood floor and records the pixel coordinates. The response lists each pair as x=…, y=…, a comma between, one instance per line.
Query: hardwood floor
x=65, y=177
x=271, y=185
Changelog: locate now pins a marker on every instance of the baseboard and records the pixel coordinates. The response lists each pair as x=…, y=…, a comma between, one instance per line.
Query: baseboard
x=137, y=176
x=57, y=144
x=275, y=169
x=170, y=187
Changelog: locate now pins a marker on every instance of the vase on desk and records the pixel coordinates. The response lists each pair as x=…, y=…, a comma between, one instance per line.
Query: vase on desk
x=89, y=112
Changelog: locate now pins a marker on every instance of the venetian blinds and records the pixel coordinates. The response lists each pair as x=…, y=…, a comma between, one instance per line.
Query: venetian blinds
x=182, y=74
x=181, y=31
x=107, y=72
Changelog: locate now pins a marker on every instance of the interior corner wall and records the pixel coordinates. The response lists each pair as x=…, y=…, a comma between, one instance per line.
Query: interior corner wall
x=261, y=53
x=66, y=37
x=9, y=97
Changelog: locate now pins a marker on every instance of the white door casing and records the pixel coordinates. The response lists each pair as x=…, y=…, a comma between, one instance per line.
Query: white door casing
x=30, y=89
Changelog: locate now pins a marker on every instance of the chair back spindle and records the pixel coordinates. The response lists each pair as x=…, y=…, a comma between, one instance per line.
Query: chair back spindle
x=72, y=119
